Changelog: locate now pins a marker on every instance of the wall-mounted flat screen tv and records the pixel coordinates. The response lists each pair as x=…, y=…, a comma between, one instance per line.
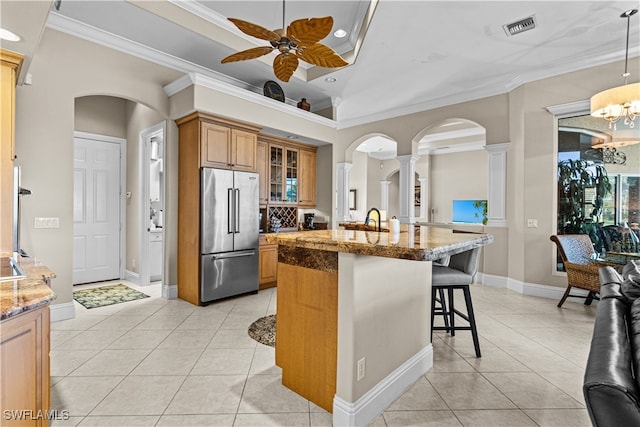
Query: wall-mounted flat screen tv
x=470, y=211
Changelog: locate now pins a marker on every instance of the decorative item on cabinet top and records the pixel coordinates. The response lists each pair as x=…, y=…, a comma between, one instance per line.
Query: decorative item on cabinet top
x=304, y=105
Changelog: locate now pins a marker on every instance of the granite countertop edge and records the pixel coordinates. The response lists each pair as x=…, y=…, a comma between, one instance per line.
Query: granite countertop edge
x=383, y=244
x=20, y=296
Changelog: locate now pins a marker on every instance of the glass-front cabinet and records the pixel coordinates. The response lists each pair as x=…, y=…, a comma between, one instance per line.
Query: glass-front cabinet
x=275, y=183
x=291, y=177
x=283, y=183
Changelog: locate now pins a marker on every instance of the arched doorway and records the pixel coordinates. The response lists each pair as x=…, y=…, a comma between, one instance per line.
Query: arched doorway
x=448, y=150
x=139, y=131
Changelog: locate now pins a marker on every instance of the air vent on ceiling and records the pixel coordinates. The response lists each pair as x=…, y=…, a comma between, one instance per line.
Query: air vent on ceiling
x=520, y=26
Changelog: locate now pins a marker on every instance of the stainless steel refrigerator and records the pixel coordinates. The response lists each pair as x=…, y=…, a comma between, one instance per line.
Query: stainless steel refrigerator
x=229, y=240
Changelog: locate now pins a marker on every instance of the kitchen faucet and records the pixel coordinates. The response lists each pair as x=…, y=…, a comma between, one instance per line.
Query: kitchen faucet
x=368, y=219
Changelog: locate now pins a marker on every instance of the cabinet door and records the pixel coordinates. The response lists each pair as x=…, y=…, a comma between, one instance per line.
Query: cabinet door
x=215, y=146
x=243, y=150
x=262, y=168
x=291, y=176
x=307, y=184
x=24, y=353
x=268, y=264
x=276, y=179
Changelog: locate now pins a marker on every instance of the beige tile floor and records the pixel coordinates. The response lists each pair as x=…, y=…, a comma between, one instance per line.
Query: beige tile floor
x=158, y=362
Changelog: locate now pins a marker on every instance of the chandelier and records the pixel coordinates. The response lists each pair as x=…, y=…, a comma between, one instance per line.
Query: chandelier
x=622, y=101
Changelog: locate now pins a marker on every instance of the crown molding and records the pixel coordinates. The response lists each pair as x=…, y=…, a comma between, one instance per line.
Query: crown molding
x=241, y=89
x=571, y=108
x=498, y=89
x=90, y=33
x=219, y=86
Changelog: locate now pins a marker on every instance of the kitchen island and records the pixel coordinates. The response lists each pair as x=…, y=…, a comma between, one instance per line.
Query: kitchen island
x=354, y=314
x=24, y=344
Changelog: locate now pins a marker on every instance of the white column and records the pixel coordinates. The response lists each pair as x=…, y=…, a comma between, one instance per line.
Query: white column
x=343, y=171
x=384, y=195
x=497, y=184
x=335, y=103
x=407, y=184
x=423, y=198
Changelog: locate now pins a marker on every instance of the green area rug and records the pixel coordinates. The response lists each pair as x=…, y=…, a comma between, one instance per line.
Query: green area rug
x=263, y=330
x=107, y=295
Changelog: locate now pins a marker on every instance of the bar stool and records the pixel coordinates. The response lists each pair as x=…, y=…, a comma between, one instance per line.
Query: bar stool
x=458, y=274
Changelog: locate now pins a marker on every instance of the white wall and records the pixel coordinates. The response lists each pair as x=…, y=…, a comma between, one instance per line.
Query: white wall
x=456, y=176
x=358, y=181
x=66, y=68
x=139, y=118
x=102, y=115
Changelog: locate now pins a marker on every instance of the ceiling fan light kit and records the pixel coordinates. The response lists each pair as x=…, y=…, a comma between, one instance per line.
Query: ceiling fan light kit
x=298, y=42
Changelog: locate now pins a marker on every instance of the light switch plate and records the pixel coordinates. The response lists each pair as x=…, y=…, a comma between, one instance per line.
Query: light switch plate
x=532, y=223
x=46, y=222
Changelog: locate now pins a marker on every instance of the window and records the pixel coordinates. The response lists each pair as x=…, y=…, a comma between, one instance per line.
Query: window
x=596, y=187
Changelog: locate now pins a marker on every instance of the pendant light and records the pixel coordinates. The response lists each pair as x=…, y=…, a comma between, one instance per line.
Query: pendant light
x=622, y=101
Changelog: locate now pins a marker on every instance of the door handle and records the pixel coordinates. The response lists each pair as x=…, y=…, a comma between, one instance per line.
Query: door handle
x=236, y=227
x=230, y=210
x=233, y=255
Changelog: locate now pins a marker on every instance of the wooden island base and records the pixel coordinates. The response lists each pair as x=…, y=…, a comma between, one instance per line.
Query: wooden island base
x=353, y=314
x=307, y=323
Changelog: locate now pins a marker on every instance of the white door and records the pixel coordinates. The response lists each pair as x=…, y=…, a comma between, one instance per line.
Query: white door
x=96, y=211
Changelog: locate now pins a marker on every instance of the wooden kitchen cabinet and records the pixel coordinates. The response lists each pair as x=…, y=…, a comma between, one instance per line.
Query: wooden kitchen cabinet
x=10, y=65
x=283, y=174
x=24, y=352
x=225, y=147
x=262, y=168
x=268, y=275
x=204, y=140
x=307, y=180
x=290, y=173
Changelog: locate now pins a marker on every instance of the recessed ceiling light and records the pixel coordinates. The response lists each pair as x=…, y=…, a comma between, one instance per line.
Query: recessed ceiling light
x=8, y=35
x=340, y=33
x=293, y=136
x=330, y=80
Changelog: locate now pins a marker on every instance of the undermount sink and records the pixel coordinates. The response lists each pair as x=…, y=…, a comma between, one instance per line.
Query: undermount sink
x=9, y=270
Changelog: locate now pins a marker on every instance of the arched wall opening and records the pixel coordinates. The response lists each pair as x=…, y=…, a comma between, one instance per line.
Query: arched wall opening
x=366, y=157
x=125, y=118
x=447, y=150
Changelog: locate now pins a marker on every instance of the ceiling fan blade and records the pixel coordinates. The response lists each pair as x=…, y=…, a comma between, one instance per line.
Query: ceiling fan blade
x=321, y=55
x=310, y=30
x=252, y=53
x=284, y=65
x=255, y=30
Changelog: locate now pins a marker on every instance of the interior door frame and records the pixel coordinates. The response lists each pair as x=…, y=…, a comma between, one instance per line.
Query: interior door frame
x=159, y=129
x=122, y=143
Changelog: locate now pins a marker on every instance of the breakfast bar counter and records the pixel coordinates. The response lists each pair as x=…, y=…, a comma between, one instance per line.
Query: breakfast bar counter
x=353, y=313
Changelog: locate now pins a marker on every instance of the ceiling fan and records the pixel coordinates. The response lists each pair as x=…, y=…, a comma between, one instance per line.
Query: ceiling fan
x=299, y=41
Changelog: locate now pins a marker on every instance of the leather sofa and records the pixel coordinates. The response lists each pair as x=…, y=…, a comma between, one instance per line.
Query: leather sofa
x=612, y=378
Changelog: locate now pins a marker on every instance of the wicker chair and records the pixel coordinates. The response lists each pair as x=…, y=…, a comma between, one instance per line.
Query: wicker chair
x=576, y=251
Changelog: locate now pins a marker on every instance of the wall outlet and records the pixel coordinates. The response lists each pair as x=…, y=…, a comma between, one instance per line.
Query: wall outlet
x=361, y=368
x=532, y=223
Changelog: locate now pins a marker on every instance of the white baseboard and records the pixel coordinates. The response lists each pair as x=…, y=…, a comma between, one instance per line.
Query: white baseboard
x=530, y=289
x=170, y=291
x=492, y=280
x=383, y=394
x=63, y=311
x=132, y=277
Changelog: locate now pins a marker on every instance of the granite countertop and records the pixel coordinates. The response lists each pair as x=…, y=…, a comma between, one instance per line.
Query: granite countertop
x=18, y=296
x=414, y=243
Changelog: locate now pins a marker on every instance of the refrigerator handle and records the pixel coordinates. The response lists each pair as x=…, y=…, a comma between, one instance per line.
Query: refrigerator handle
x=230, y=211
x=236, y=227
